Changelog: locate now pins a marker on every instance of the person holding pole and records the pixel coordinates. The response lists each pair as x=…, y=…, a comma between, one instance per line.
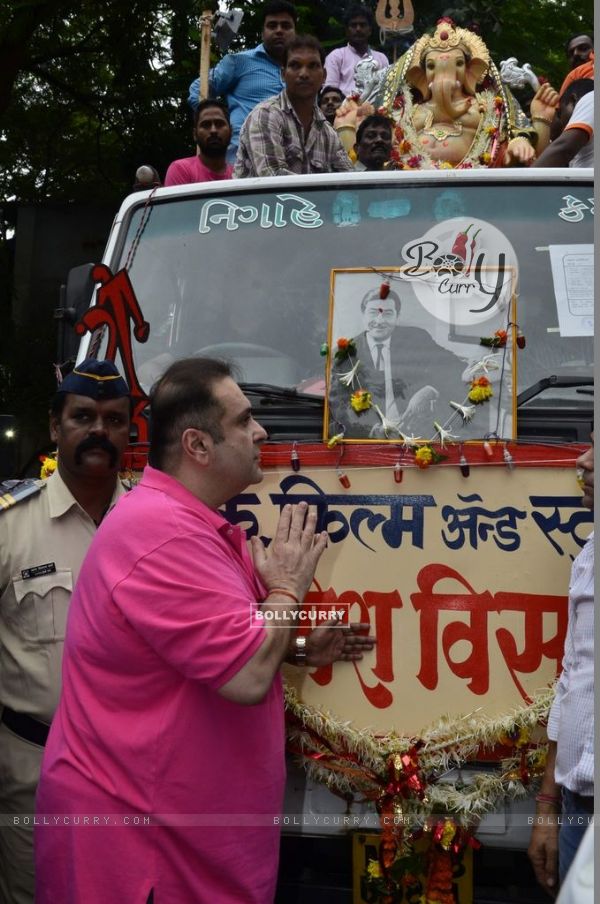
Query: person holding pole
x=245, y=79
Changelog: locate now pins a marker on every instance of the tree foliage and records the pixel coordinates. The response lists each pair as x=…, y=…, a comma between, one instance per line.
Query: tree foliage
x=95, y=89
x=89, y=91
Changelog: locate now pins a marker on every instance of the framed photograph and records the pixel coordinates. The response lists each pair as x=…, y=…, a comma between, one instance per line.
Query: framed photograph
x=406, y=359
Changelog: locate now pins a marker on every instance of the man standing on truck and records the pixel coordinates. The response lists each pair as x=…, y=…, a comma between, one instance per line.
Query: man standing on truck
x=568, y=782
x=574, y=146
x=43, y=540
x=172, y=707
x=289, y=134
x=340, y=63
x=580, y=54
x=212, y=134
x=244, y=79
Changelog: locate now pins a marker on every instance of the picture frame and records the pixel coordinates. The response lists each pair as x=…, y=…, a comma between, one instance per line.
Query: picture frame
x=429, y=359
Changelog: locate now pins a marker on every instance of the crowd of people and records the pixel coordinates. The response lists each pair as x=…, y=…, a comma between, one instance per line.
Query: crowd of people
x=285, y=107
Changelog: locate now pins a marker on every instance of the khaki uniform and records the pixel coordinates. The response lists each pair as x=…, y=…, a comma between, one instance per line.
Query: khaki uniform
x=43, y=541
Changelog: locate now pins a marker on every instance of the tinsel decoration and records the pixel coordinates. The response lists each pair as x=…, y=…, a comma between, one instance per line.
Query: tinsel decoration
x=351, y=760
x=401, y=775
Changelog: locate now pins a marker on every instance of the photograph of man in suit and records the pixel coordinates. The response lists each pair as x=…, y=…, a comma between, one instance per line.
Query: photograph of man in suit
x=410, y=377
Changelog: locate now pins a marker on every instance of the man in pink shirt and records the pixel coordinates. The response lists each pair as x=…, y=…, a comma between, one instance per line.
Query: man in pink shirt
x=172, y=709
x=212, y=134
x=340, y=63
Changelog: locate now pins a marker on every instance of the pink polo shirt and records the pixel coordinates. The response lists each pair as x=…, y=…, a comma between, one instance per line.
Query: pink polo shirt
x=191, y=169
x=160, y=619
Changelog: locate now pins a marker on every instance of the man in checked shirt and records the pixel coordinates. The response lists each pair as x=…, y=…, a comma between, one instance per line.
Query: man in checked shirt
x=568, y=782
x=288, y=134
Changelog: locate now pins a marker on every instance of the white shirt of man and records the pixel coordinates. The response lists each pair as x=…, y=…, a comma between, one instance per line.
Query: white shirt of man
x=582, y=117
x=391, y=410
x=571, y=720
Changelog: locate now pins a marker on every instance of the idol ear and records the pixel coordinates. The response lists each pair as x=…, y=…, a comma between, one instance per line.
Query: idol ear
x=416, y=77
x=474, y=74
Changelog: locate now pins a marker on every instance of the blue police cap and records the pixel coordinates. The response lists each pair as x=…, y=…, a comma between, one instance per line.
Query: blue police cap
x=95, y=379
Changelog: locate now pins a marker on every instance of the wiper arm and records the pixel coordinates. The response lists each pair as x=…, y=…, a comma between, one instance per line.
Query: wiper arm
x=271, y=394
x=532, y=391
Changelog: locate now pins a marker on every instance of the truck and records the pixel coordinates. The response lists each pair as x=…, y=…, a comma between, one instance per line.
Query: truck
x=452, y=510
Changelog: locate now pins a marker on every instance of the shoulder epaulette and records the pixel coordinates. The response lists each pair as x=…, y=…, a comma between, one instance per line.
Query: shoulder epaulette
x=14, y=491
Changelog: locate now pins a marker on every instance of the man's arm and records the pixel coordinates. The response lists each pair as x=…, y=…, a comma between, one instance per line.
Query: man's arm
x=543, y=846
x=220, y=81
x=561, y=151
x=333, y=76
x=224, y=77
x=286, y=568
x=340, y=161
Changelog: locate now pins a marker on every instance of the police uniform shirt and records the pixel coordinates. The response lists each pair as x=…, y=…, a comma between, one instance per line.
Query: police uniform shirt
x=43, y=541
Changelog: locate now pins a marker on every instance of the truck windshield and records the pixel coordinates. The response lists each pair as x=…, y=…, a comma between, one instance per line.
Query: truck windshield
x=250, y=275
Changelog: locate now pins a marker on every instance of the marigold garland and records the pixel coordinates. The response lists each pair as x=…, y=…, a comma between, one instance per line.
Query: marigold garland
x=480, y=391
x=49, y=465
x=361, y=400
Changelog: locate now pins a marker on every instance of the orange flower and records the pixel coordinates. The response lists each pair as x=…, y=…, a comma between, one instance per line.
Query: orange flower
x=343, y=344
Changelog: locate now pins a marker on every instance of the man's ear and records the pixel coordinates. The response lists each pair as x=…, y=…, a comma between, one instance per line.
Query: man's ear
x=54, y=427
x=197, y=444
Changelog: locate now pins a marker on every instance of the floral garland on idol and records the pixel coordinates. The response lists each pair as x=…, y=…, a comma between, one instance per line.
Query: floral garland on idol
x=410, y=782
x=424, y=451
x=408, y=154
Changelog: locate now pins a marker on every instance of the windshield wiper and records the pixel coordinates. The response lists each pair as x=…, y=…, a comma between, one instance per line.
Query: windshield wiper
x=286, y=414
x=532, y=391
x=272, y=395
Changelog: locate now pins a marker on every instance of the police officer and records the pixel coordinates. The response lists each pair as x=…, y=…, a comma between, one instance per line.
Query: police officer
x=46, y=528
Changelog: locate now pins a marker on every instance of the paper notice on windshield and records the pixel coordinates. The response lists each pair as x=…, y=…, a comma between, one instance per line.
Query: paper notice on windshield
x=573, y=277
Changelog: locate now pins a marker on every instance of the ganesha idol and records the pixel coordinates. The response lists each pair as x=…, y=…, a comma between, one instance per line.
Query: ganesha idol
x=450, y=108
